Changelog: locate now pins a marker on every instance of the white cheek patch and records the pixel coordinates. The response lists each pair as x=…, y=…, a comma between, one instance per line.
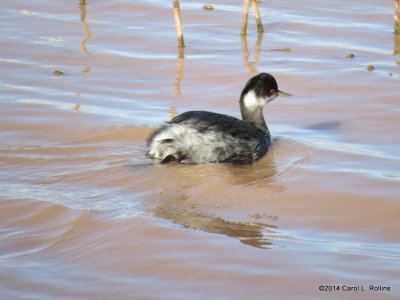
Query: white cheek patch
x=251, y=101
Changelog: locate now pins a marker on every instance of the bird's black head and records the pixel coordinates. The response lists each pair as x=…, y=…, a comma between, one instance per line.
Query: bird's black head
x=260, y=90
x=263, y=85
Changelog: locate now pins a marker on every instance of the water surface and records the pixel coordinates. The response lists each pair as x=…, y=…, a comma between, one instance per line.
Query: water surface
x=86, y=215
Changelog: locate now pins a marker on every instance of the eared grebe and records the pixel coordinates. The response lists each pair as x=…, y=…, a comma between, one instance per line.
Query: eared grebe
x=206, y=137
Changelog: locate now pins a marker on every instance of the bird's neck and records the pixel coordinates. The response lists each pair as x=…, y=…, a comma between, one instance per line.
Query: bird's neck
x=251, y=108
x=255, y=117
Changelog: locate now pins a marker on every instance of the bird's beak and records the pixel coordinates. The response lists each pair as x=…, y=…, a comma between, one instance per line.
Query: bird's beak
x=280, y=93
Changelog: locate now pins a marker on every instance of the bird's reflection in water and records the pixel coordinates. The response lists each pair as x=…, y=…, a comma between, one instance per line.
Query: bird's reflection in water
x=191, y=195
x=178, y=204
x=252, y=234
x=262, y=175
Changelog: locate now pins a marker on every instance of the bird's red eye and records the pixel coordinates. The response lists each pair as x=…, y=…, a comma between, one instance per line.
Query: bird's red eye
x=271, y=91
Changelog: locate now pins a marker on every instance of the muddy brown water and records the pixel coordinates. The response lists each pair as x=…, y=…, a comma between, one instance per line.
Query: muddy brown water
x=84, y=214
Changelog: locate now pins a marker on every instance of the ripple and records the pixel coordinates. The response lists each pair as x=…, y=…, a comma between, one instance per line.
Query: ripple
x=48, y=226
x=373, y=173
x=342, y=243
x=79, y=199
x=312, y=135
x=290, y=157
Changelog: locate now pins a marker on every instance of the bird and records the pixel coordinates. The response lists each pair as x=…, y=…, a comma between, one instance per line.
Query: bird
x=200, y=137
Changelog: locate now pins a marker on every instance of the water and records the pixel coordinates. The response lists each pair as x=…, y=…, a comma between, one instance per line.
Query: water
x=85, y=215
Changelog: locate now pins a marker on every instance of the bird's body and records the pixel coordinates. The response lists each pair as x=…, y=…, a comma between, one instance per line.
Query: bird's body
x=208, y=137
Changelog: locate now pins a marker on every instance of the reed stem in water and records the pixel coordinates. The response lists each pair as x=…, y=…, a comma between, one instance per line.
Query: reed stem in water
x=396, y=17
x=178, y=23
x=260, y=27
x=246, y=4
